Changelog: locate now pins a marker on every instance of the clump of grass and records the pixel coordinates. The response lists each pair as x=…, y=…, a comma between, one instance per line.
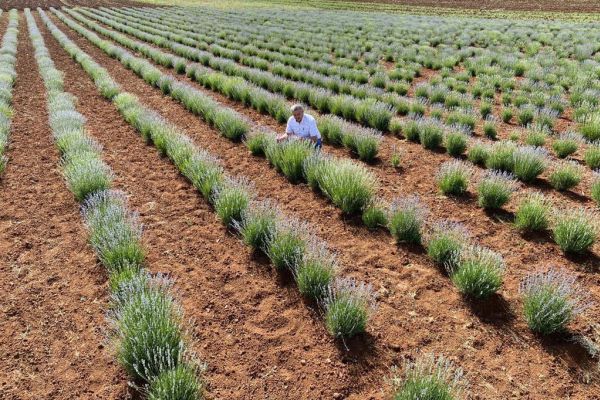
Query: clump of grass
x=431, y=136
x=316, y=271
x=445, y=242
x=349, y=185
x=179, y=383
x=204, y=172
x=147, y=329
x=258, y=224
x=514, y=137
x=406, y=217
x=525, y=116
x=348, y=305
x=374, y=216
x=575, y=231
x=230, y=124
x=592, y=155
x=453, y=177
x=287, y=243
x=478, y=153
x=506, y=115
x=485, y=109
x=590, y=127
x=288, y=157
x=536, y=137
x=86, y=175
x=115, y=232
x=528, y=162
x=596, y=188
x=455, y=143
x=489, y=130
x=566, y=175
x=551, y=299
x=478, y=273
x=332, y=129
x=362, y=141
x=566, y=144
x=396, y=158
x=500, y=156
x=411, y=130
x=533, y=213
x=428, y=378
x=231, y=200
x=494, y=189
x=258, y=141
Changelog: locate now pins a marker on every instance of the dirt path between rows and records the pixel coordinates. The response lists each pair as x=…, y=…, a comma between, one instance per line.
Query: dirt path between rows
x=255, y=333
x=54, y=293
x=418, y=307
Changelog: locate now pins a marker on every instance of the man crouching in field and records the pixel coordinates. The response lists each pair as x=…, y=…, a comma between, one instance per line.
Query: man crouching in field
x=302, y=126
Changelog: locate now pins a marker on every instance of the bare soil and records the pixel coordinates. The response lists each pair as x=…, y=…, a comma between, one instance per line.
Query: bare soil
x=291, y=355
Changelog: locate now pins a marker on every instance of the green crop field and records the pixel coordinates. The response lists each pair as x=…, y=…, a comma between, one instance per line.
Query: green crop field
x=166, y=237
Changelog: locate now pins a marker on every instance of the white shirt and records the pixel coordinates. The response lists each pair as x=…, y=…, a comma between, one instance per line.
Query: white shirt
x=306, y=128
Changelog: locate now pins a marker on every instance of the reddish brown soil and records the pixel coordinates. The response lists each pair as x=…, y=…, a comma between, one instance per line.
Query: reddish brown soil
x=537, y=5
x=419, y=310
x=33, y=4
x=53, y=291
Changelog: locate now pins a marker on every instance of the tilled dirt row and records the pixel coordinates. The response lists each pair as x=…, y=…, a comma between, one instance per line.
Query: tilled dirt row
x=254, y=332
x=418, y=307
x=54, y=293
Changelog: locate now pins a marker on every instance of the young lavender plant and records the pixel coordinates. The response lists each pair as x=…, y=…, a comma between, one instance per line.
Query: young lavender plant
x=115, y=232
x=316, y=271
x=406, y=217
x=529, y=162
x=478, y=273
x=348, y=305
x=453, y=177
x=575, y=231
x=445, y=242
x=551, y=299
x=495, y=189
x=566, y=144
x=533, y=213
x=231, y=200
x=565, y=175
x=428, y=378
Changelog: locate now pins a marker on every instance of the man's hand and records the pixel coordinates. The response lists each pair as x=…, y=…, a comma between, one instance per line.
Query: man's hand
x=282, y=137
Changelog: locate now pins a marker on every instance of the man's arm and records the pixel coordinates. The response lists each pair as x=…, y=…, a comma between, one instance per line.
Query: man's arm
x=314, y=131
x=287, y=134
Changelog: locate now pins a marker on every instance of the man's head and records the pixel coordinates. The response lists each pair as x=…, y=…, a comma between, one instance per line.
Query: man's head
x=297, y=112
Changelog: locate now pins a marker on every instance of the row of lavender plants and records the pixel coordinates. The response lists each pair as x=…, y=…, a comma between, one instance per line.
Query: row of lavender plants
x=430, y=132
x=532, y=100
x=8, y=75
x=147, y=327
x=289, y=243
x=476, y=271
